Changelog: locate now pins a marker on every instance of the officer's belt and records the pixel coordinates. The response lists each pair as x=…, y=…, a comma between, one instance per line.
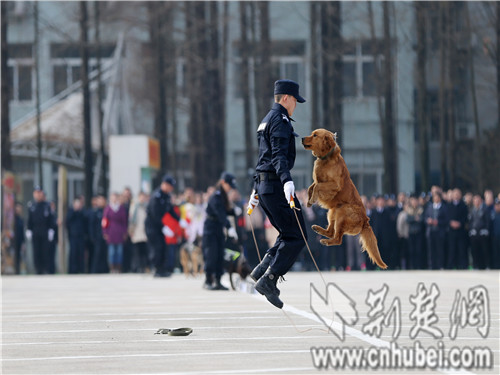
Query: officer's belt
x=263, y=176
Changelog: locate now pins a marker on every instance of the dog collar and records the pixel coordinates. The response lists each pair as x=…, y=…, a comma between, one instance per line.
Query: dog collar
x=329, y=153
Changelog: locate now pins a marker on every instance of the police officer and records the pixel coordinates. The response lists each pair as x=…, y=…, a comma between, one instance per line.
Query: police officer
x=274, y=189
x=40, y=229
x=159, y=204
x=218, y=207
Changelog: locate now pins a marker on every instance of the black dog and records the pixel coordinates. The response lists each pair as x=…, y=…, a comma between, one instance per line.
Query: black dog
x=235, y=262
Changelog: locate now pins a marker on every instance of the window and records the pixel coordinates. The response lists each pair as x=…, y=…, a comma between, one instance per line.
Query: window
x=21, y=72
x=359, y=74
x=287, y=61
x=66, y=63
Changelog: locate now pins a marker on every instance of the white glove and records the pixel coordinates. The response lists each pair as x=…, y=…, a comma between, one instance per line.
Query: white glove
x=237, y=211
x=51, y=234
x=167, y=231
x=231, y=232
x=183, y=223
x=289, y=190
x=29, y=234
x=252, y=202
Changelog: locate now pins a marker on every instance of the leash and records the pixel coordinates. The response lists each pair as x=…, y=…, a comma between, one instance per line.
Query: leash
x=294, y=209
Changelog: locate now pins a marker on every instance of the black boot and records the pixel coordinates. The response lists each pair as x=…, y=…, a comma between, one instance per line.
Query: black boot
x=261, y=268
x=218, y=285
x=208, y=282
x=267, y=287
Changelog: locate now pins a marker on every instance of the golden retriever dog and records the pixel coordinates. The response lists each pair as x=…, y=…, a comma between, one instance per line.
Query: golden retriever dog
x=334, y=190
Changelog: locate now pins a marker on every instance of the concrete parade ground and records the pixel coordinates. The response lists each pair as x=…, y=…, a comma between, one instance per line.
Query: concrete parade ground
x=106, y=324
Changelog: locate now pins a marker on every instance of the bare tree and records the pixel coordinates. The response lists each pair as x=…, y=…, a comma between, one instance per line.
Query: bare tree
x=245, y=89
x=87, y=136
x=389, y=147
x=478, y=144
x=263, y=61
x=314, y=7
x=6, y=155
x=443, y=46
x=421, y=77
x=157, y=16
x=332, y=47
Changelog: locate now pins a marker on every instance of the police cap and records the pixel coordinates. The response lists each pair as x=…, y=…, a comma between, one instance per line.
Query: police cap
x=229, y=179
x=168, y=179
x=288, y=87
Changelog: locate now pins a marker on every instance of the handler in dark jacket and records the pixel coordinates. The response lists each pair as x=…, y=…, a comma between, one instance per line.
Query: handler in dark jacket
x=40, y=229
x=76, y=225
x=274, y=189
x=479, y=233
x=100, y=258
x=457, y=235
x=218, y=208
x=436, y=218
x=159, y=204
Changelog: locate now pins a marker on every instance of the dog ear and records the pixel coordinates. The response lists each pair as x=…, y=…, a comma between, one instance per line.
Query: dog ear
x=328, y=142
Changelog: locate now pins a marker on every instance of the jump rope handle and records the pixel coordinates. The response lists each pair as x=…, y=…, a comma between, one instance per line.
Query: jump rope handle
x=249, y=211
x=292, y=202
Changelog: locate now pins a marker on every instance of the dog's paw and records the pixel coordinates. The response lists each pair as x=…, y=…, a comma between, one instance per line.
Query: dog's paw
x=317, y=229
x=325, y=242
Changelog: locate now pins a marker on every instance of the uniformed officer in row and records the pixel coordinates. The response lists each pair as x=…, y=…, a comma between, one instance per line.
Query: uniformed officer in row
x=213, y=243
x=41, y=230
x=274, y=189
x=159, y=204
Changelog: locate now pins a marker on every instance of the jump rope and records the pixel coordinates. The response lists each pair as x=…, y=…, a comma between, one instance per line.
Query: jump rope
x=294, y=209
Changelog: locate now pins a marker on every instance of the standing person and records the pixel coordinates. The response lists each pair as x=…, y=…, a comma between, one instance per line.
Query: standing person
x=457, y=235
x=115, y=231
x=380, y=222
x=137, y=231
x=18, y=236
x=40, y=229
x=495, y=261
x=76, y=225
x=274, y=189
x=128, y=247
x=100, y=258
x=416, y=243
x=403, y=229
x=159, y=204
x=436, y=217
x=218, y=208
x=479, y=233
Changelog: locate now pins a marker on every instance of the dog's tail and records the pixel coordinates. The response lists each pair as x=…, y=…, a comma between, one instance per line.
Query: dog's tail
x=369, y=244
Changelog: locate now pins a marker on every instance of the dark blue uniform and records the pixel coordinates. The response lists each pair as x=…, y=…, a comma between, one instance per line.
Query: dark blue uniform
x=100, y=258
x=159, y=204
x=40, y=220
x=213, y=235
x=76, y=223
x=457, y=238
x=276, y=138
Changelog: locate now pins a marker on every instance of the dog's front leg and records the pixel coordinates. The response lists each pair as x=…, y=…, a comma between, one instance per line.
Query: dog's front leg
x=310, y=194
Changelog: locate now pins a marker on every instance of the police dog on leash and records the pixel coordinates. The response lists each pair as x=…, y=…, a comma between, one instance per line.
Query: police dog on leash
x=334, y=190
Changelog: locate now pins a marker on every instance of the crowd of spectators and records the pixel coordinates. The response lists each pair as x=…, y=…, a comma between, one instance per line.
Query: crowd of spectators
x=438, y=230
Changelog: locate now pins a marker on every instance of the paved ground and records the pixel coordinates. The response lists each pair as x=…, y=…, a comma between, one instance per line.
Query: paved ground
x=105, y=324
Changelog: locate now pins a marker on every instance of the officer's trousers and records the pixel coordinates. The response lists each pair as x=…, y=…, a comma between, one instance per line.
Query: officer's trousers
x=41, y=253
x=213, y=249
x=290, y=242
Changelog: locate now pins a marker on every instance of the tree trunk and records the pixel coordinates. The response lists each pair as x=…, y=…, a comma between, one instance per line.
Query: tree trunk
x=331, y=36
x=245, y=89
x=263, y=83
x=6, y=155
x=156, y=16
x=422, y=119
x=450, y=103
x=443, y=43
x=102, y=150
x=479, y=158
x=388, y=132
x=314, y=7
x=87, y=136
x=37, y=96
x=497, y=4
